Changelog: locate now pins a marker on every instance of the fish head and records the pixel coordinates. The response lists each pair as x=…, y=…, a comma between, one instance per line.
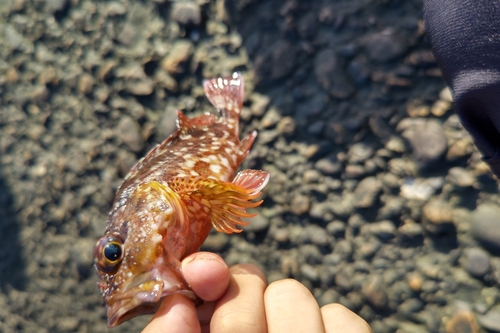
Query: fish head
x=138, y=258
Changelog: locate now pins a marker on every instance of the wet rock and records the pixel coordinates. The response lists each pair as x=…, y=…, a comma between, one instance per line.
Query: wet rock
x=353, y=171
x=359, y=153
x=286, y=126
x=461, y=177
x=85, y=83
x=421, y=189
x=330, y=75
x=215, y=242
x=384, y=46
x=257, y=223
x=438, y=217
x=415, y=281
x=374, y=292
x=56, y=5
x=462, y=321
x=186, y=13
x=384, y=230
x=476, y=262
x=309, y=272
x=271, y=118
x=485, y=226
x=307, y=25
x=490, y=321
x=284, y=59
x=411, y=230
x=367, y=192
x=129, y=132
x=411, y=307
x=317, y=235
x=336, y=228
x=259, y=104
x=178, y=56
x=329, y=165
x=300, y=204
x=426, y=137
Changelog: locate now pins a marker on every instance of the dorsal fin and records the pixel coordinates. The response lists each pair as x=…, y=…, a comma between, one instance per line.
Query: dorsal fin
x=226, y=95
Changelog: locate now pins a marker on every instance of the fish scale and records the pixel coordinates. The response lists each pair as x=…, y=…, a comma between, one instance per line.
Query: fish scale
x=170, y=200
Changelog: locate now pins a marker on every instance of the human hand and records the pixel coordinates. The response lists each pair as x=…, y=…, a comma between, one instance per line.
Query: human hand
x=237, y=300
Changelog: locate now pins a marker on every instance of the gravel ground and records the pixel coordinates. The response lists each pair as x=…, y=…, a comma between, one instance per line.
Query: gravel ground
x=378, y=198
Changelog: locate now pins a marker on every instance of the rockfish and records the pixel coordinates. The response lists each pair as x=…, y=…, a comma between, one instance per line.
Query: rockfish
x=168, y=203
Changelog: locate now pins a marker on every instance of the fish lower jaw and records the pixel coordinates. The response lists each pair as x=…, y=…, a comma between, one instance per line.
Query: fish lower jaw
x=138, y=301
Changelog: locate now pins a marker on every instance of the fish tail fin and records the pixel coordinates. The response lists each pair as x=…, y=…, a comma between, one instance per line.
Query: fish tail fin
x=226, y=95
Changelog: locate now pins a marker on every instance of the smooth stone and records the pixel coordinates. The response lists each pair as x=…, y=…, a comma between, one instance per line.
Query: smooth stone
x=476, y=262
x=129, y=132
x=485, y=226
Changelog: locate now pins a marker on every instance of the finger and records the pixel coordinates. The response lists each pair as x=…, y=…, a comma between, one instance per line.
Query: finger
x=207, y=274
x=241, y=309
x=339, y=319
x=176, y=314
x=290, y=307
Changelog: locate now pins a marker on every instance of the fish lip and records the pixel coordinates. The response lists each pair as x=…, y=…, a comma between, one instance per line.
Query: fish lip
x=132, y=301
x=143, y=295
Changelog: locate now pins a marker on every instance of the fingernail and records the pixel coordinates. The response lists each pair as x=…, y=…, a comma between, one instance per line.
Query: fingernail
x=202, y=256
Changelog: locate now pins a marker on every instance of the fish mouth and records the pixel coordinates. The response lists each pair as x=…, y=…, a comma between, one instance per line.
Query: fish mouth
x=143, y=295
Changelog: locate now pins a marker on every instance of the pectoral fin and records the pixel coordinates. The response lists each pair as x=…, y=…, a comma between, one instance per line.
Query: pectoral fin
x=224, y=202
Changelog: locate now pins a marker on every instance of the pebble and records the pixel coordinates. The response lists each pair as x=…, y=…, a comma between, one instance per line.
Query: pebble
x=367, y=192
x=359, y=153
x=485, y=226
x=317, y=235
x=490, y=321
x=215, y=242
x=421, y=188
x=186, y=13
x=300, y=204
x=329, y=165
x=384, y=46
x=271, y=118
x=56, y=5
x=375, y=293
x=461, y=177
x=462, y=321
x=384, y=230
x=330, y=76
x=179, y=54
x=257, y=223
x=259, y=104
x=440, y=107
x=410, y=307
x=336, y=228
x=476, y=262
x=353, y=171
x=85, y=83
x=129, y=132
x=286, y=126
x=415, y=281
x=426, y=137
x=438, y=217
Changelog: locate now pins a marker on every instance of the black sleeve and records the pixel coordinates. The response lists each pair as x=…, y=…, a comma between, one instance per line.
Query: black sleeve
x=465, y=37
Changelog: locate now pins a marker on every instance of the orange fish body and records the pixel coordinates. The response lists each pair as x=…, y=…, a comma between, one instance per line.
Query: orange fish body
x=168, y=203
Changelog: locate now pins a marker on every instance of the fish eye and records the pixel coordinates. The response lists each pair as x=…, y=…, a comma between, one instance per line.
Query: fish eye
x=108, y=252
x=112, y=251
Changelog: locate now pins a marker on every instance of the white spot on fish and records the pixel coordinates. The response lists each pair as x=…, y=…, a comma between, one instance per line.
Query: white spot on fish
x=215, y=168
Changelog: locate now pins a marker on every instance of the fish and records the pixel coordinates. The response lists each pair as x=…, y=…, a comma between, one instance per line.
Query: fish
x=168, y=203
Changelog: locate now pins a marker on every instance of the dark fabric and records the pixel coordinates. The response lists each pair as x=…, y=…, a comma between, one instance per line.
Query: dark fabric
x=465, y=37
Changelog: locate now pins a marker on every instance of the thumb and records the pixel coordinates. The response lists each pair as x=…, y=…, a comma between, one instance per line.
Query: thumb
x=207, y=274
